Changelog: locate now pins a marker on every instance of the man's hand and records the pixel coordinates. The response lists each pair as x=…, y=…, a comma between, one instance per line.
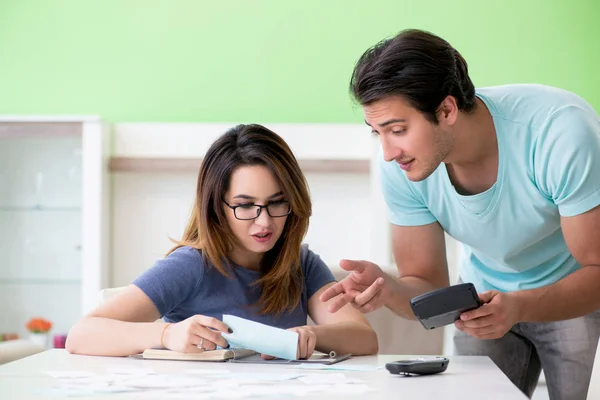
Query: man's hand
x=493, y=319
x=364, y=288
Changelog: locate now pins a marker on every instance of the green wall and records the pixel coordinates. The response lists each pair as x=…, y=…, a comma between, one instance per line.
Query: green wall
x=267, y=60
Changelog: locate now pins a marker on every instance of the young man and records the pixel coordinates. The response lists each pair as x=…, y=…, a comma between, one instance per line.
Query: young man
x=513, y=173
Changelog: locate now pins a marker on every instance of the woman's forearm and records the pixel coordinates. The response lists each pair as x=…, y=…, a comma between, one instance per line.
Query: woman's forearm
x=98, y=336
x=346, y=337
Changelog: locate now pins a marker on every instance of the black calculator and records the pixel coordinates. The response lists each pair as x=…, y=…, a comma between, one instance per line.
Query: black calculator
x=444, y=306
x=418, y=366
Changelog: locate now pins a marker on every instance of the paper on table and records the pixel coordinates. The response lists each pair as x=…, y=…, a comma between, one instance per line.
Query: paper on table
x=323, y=378
x=341, y=367
x=162, y=382
x=205, y=371
x=80, y=391
x=233, y=385
x=129, y=371
x=75, y=374
x=263, y=377
x=261, y=338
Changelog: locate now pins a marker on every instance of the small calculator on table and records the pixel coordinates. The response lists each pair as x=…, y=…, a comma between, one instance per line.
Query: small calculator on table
x=418, y=366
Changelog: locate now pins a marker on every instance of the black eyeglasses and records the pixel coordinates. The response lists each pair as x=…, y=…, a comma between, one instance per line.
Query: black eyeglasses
x=247, y=212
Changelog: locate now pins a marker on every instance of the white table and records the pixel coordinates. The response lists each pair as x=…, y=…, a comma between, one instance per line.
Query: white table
x=465, y=378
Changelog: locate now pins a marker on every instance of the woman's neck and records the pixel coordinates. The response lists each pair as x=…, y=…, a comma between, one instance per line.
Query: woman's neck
x=246, y=259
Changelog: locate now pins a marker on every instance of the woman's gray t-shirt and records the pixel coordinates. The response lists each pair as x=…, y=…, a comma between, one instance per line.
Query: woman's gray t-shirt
x=182, y=285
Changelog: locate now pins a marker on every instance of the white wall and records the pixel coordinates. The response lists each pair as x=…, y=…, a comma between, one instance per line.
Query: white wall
x=150, y=208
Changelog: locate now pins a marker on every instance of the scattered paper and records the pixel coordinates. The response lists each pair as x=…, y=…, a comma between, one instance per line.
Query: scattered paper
x=341, y=367
x=199, y=383
x=70, y=374
x=130, y=371
x=208, y=371
x=318, y=379
x=262, y=377
x=66, y=391
x=350, y=389
x=162, y=382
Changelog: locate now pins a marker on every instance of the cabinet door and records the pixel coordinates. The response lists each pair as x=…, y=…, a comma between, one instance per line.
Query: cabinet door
x=41, y=223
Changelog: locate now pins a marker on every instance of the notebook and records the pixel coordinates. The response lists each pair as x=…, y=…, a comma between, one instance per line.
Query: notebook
x=321, y=359
x=237, y=355
x=248, y=340
x=209, y=355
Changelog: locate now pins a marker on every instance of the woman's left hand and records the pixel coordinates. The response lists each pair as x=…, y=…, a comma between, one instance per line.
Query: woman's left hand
x=307, y=340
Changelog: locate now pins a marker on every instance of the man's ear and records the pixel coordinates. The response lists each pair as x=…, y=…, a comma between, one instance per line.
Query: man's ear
x=448, y=111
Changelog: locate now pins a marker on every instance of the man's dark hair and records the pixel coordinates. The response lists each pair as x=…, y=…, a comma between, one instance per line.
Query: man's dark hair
x=420, y=67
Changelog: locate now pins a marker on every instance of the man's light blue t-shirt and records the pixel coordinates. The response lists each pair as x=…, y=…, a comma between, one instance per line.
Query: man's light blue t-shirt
x=549, y=166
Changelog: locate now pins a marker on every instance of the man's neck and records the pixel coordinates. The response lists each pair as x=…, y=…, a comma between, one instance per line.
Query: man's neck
x=473, y=164
x=475, y=139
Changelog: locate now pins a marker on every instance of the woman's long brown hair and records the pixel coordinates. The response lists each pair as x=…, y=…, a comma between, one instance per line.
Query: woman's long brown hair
x=207, y=230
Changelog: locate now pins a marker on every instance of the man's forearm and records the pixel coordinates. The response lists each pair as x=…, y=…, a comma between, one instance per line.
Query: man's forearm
x=573, y=296
x=401, y=290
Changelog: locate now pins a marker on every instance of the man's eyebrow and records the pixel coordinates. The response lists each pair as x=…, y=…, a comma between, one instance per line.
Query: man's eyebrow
x=389, y=121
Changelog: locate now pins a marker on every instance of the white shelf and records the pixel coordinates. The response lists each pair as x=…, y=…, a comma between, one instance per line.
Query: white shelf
x=49, y=118
x=18, y=130
x=39, y=209
x=53, y=218
x=31, y=281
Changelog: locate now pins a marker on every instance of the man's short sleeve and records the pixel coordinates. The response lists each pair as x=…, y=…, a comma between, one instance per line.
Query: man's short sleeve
x=316, y=273
x=567, y=160
x=172, y=279
x=404, y=207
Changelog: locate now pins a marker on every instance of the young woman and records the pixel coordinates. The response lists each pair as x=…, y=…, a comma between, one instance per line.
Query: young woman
x=240, y=254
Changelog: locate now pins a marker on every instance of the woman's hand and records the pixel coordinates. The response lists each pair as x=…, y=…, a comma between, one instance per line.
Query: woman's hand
x=195, y=334
x=307, y=340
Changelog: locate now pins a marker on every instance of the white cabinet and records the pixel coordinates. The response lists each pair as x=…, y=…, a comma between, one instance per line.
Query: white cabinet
x=54, y=218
